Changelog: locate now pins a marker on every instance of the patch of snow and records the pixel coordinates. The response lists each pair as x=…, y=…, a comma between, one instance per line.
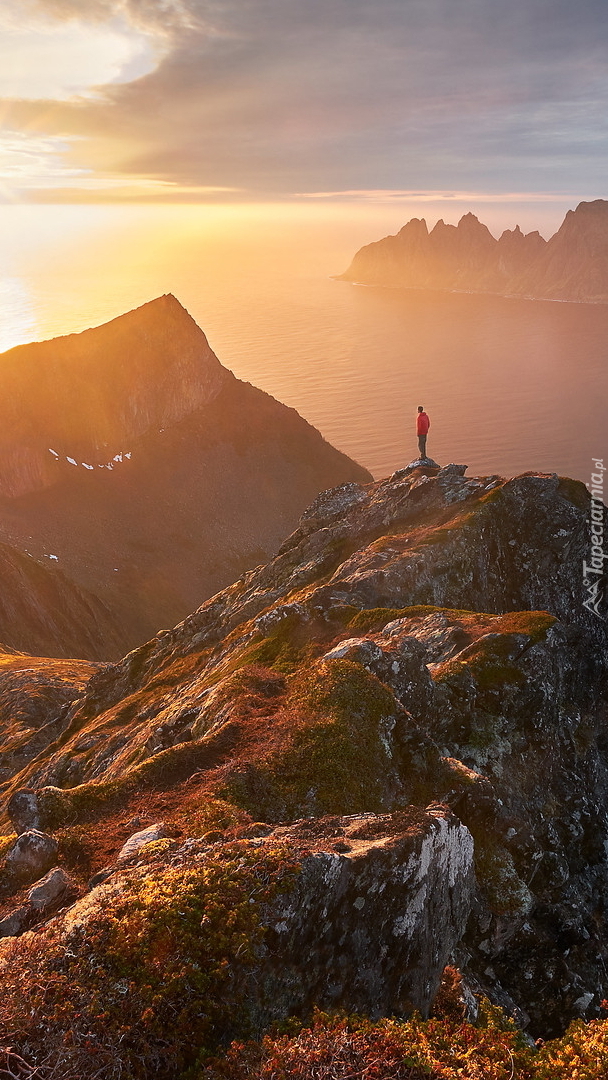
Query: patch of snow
x=116, y=460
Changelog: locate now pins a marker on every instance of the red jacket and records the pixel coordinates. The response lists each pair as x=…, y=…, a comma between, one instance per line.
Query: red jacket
x=422, y=424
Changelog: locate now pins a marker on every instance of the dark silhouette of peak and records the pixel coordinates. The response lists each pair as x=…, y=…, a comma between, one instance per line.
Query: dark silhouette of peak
x=471, y=223
x=441, y=226
x=596, y=209
x=572, y=265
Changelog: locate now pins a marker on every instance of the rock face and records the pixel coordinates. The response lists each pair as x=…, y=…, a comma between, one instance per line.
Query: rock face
x=137, y=477
x=572, y=265
x=368, y=927
x=376, y=918
x=421, y=642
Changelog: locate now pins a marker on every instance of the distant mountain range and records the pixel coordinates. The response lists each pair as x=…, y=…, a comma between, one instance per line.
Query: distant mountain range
x=137, y=477
x=572, y=265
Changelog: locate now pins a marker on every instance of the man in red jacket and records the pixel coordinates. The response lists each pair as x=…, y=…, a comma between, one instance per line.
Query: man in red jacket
x=422, y=427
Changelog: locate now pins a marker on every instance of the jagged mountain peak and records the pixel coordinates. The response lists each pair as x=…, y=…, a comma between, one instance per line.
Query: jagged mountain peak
x=597, y=207
x=416, y=226
x=572, y=265
x=469, y=220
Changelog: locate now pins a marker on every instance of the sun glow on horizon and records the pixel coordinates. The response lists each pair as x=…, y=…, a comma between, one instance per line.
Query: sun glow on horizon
x=76, y=266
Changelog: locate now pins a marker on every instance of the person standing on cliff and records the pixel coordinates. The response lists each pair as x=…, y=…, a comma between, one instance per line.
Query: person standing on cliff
x=422, y=428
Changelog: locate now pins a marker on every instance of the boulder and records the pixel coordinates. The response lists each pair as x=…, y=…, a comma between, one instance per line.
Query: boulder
x=23, y=810
x=138, y=839
x=15, y=922
x=32, y=854
x=377, y=908
x=47, y=893
x=43, y=898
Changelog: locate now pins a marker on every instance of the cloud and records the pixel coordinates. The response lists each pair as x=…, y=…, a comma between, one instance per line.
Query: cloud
x=274, y=97
x=162, y=16
x=72, y=60
x=387, y=195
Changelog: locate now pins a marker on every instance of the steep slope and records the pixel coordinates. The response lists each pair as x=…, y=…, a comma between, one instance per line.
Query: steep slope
x=422, y=641
x=35, y=694
x=572, y=265
x=43, y=612
x=86, y=396
x=143, y=470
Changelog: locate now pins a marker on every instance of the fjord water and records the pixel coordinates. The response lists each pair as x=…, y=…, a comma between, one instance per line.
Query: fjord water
x=511, y=385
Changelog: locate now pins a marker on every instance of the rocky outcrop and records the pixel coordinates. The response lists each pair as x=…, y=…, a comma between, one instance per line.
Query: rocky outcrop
x=138, y=476
x=357, y=913
x=421, y=642
x=481, y=544
x=376, y=917
x=572, y=265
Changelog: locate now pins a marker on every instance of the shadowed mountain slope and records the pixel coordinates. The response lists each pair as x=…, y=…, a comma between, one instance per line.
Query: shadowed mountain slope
x=144, y=471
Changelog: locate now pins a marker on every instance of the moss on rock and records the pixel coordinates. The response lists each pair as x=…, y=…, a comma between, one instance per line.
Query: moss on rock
x=336, y=759
x=163, y=974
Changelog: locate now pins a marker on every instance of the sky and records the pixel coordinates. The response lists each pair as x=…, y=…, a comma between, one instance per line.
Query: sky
x=271, y=100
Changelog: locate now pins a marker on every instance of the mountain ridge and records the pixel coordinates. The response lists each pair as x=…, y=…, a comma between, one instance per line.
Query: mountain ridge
x=572, y=265
x=150, y=477
x=381, y=751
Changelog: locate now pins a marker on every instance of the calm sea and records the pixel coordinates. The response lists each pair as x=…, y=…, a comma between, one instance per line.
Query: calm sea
x=510, y=385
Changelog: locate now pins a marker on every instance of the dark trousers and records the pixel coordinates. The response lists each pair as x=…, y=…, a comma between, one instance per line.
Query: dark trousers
x=422, y=445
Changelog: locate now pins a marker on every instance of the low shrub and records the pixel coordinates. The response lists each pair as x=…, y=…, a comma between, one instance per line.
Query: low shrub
x=158, y=974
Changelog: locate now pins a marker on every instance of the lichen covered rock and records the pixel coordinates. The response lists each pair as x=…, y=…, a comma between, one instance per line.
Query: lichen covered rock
x=194, y=945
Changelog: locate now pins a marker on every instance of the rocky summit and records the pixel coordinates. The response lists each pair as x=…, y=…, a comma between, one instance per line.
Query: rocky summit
x=381, y=752
x=137, y=477
x=571, y=265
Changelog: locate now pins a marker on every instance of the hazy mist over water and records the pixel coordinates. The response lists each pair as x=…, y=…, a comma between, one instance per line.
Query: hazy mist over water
x=510, y=385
